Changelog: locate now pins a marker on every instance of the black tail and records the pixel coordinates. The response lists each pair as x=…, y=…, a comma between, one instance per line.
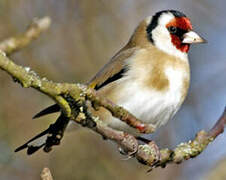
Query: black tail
x=49, y=110
x=31, y=145
x=47, y=138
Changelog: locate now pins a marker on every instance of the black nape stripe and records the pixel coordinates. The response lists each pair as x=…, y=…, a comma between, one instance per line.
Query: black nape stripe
x=112, y=79
x=154, y=21
x=177, y=13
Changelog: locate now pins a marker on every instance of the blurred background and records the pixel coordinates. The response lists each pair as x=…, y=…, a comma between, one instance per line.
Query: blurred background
x=83, y=36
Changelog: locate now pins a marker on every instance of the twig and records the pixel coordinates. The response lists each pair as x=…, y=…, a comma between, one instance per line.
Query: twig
x=218, y=128
x=34, y=30
x=46, y=174
x=117, y=111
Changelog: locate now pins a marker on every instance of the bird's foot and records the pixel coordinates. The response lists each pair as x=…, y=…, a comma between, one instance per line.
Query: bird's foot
x=153, y=146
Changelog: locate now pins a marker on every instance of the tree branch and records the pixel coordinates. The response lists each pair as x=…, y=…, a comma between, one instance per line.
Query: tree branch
x=72, y=99
x=46, y=174
x=14, y=44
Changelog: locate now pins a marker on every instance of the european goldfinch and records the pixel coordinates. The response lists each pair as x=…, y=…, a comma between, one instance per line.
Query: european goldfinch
x=149, y=76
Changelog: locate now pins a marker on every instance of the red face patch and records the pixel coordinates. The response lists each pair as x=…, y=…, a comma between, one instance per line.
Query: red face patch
x=179, y=45
x=182, y=23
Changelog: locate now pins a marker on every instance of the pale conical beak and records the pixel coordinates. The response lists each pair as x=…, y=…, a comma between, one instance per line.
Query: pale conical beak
x=192, y=37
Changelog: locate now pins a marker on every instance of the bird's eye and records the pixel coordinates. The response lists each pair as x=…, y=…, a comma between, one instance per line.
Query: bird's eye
x=172, y=29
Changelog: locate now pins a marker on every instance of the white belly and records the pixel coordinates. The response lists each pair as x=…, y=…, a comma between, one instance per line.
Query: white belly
x=148, y=105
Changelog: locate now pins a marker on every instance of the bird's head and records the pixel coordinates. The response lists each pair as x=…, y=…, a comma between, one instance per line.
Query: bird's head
x=170, y=31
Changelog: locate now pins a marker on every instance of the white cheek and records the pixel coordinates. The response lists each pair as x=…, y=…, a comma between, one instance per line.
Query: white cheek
x=162, y=38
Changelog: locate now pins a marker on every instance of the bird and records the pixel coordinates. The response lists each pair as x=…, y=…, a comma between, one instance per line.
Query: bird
x=149, y=76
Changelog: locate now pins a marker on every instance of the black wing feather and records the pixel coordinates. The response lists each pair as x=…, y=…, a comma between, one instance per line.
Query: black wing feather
x=112, y=79
x=34, y=138
x=49, y=110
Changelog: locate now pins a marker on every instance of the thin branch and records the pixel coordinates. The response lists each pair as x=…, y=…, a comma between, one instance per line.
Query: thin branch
x=46, y=174
x=68, y=96
x=34, y=30
x=218, y=128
